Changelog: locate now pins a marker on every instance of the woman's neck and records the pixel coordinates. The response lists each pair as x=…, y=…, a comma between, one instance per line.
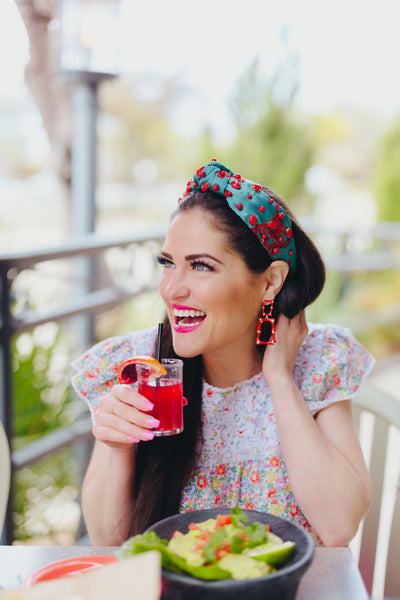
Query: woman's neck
x=225, y=371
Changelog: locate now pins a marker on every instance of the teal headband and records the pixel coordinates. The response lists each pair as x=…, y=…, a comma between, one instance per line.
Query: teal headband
x=267, y=219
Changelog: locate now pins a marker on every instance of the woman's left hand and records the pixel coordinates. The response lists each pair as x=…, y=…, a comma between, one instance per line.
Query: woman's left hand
x=280, y=358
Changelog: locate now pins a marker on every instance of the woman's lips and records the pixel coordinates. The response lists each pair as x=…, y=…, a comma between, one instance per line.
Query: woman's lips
x=187, y=318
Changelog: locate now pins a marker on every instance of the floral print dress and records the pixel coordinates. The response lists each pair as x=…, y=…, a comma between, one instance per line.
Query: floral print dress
x=240, y=460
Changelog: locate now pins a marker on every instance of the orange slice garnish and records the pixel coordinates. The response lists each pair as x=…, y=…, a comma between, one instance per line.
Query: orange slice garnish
x=127, y=372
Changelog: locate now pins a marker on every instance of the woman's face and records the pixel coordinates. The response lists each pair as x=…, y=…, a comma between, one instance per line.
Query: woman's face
x=213, y=300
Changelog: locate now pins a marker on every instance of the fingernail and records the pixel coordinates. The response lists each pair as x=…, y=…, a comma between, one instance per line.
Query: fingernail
x=147, y=435
x=133, y=440
x=147, y=405
x=152, y=422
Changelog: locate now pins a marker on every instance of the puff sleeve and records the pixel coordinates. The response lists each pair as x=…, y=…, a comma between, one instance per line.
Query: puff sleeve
x=331, y=366
x=96, y=370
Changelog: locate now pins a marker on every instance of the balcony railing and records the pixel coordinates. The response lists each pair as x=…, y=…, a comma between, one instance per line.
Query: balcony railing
x=88, y=302
x=348, y=252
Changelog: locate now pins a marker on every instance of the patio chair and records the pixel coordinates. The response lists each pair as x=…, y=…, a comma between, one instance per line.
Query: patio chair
x=5, y=470
x=377, y=416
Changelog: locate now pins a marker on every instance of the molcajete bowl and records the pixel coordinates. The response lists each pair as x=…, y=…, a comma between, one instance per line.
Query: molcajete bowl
x=281, y=585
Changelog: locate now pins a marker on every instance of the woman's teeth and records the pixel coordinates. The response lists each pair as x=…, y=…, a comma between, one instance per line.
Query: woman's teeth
x=188, y=318
x=188, y=313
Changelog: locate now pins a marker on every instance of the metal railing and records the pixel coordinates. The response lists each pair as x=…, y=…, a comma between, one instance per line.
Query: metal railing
x=89, y=302
x=92, y=302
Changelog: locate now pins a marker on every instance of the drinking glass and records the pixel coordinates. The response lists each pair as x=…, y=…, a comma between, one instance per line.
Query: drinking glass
x=166, y=393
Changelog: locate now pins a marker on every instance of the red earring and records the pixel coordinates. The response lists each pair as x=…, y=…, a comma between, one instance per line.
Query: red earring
x=266, y=317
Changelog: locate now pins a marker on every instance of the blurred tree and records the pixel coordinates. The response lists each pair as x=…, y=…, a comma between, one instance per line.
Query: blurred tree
x=387, y=179
x=51, y=93
x=138, y=114
x=273, y=145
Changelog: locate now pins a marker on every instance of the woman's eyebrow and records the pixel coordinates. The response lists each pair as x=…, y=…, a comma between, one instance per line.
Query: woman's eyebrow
x=202, y=255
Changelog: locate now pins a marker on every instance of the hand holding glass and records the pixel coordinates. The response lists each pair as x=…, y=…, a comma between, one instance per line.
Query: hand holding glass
x=166, y=393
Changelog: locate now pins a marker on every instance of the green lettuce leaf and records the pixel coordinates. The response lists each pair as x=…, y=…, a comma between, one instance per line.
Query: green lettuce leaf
x=238, y=517
x=257, y=534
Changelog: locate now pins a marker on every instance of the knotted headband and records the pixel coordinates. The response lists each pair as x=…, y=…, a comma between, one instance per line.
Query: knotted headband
x=265, y=217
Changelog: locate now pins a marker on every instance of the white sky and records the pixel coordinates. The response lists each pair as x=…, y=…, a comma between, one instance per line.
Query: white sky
x=349, y=50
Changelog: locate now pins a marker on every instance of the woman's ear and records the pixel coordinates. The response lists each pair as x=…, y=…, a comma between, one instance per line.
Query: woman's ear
x=275, y=277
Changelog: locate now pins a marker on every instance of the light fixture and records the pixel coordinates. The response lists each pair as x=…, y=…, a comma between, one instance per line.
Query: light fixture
x=89, y=38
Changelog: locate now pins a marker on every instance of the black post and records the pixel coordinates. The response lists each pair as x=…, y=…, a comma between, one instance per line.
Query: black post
x=83, y=193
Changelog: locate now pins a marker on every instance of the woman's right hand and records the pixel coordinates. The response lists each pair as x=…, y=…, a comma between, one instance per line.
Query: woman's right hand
x=121, y=418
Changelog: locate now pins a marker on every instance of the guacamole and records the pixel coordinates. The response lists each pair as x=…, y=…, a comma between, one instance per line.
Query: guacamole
x=221, y=548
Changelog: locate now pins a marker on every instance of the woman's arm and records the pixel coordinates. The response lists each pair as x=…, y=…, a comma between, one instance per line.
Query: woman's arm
x=323, y=456
x=107, y=492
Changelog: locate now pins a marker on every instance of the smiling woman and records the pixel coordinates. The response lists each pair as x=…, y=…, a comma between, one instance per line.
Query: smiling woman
x=268, y=423
x=214, y=289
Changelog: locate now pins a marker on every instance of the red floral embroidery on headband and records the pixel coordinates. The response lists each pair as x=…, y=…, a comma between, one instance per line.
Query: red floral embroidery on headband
x=273, y=234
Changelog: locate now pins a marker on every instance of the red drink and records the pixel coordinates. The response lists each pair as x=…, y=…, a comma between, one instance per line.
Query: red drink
x=166, y=395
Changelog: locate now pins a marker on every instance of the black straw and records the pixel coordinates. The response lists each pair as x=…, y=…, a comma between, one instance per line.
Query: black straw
x=159, y=336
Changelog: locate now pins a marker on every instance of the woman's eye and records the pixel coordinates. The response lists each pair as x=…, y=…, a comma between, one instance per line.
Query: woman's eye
x=164, y=262
x=201, y=266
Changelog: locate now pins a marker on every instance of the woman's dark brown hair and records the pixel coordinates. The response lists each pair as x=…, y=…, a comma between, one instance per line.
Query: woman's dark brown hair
x=164, y=465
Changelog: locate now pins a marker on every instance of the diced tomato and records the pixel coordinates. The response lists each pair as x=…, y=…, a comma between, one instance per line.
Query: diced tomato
x=177, y=534
x=223, y=520
x=199, y=546
x=223, y=549
x=268, y=526
x=205, y=535
x=193, y=527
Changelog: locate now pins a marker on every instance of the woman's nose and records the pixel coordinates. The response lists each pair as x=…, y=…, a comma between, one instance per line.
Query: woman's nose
x=176, y=287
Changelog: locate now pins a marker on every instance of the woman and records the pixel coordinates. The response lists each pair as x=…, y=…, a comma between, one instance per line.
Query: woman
x=268, y=424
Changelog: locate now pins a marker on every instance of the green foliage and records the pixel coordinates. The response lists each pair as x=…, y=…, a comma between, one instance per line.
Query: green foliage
x=43, y=493
x=387, y=181
x=273, y=146
x=139, y=127
x=363, y=302
x=41, y=385
x=42, y=404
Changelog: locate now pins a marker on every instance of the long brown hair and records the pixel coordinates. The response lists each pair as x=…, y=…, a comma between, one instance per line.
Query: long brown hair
x=165, y=464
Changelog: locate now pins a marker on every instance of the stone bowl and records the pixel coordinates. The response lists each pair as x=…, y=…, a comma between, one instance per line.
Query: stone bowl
x=281, y=585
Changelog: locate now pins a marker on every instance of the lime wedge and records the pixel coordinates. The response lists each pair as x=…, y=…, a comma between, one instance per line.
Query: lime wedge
x=273, y=554
x=273, y=539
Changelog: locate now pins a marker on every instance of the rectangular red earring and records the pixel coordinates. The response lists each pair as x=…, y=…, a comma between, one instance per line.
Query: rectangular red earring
x=266, y=317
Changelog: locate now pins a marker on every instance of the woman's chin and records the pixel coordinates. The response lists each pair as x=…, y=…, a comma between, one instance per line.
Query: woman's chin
x=184, y=347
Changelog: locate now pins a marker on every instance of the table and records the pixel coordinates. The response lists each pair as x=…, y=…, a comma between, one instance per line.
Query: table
x=333, y=574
